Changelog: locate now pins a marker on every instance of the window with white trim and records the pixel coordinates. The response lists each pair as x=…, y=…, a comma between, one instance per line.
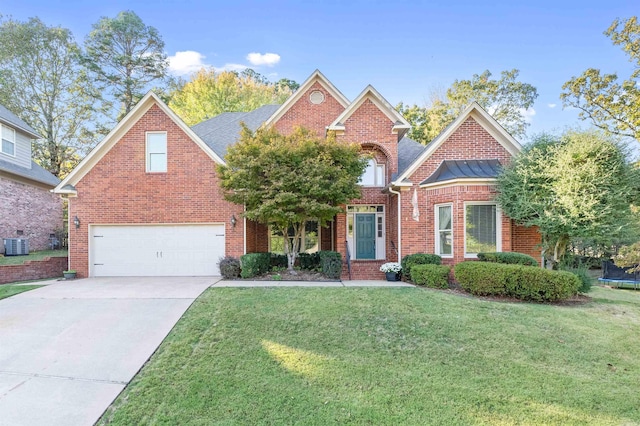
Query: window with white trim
x=8, y=141
x=373, y=174
x=310, y=242
x=444, y=230
x=156, y=152
x=481, y=229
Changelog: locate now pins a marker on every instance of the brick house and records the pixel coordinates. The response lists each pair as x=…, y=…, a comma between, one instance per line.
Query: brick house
x=148, y=202
x=28, y=208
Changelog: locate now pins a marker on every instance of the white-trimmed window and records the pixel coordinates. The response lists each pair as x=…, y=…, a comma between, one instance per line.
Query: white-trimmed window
x=481, y=228
x=310, y=239
x=444, y=230
x=373, y=174
x=8, y=141
x=156, y=152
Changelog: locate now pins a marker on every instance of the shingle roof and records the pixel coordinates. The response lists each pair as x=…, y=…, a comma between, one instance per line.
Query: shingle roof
x=457, y=169
x=10, y=118
x=408, y=151
x=223, y=130
x=35, y=173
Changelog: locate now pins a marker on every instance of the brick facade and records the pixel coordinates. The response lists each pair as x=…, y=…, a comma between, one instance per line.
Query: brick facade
x=469, y=141
x=49, y=267
x=118, y=190
x=32, y=209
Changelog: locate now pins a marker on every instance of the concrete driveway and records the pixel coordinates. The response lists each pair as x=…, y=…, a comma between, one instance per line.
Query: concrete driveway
x=68, y=349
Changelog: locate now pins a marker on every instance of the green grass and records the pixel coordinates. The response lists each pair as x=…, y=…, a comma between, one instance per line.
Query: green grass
x=8, y=290
x=409, y=356
x=35, y=255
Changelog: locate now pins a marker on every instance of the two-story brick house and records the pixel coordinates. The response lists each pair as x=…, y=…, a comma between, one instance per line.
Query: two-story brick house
x=28, y=208
x=148, y=202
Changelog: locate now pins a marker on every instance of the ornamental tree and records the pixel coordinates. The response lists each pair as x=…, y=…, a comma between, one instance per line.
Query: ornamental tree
x=579, y=185
x=285, y=180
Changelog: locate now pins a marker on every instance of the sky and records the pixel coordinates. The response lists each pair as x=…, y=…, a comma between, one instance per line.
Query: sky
x=405, y=49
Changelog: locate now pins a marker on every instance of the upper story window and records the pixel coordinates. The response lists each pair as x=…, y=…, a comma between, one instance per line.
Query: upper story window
x=156, y=152
x=8, y=140
x=373, y=175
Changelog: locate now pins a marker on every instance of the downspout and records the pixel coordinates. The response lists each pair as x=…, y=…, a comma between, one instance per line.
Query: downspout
x=399, y=222
x=244, y=230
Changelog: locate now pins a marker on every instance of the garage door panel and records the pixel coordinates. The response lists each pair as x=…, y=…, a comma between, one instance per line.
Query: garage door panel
x=156, y=250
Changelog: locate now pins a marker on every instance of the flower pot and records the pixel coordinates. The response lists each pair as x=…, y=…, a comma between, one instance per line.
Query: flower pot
x=69, y=275
x=392, y=276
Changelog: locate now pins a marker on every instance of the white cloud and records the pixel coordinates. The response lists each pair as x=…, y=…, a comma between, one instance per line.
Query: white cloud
x=268, y=59
x=551, y=105
x=528, y=114
x=186, y=62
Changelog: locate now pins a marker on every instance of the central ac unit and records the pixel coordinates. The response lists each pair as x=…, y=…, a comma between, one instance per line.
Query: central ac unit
x=16, y=246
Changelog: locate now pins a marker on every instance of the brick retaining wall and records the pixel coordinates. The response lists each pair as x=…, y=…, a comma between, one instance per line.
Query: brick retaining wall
x=49, y=267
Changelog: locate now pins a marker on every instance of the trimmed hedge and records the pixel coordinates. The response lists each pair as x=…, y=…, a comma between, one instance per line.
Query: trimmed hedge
x=279, y=260
x=229, y=267
x=434, y=276
x=519, y=281
x=331, y=264
x=254, y=264
x=512, y=258
x=410, y=260
x=309, y=261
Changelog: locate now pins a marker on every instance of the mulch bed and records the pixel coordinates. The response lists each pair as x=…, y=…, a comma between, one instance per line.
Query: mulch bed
x=287, y=276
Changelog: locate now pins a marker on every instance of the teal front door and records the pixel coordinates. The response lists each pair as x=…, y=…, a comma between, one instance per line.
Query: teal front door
x=366, y=236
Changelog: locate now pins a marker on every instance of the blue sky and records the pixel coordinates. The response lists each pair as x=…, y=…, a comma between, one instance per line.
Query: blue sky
x=406, y=49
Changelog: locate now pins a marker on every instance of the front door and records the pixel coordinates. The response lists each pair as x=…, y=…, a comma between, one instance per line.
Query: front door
x=365, y=236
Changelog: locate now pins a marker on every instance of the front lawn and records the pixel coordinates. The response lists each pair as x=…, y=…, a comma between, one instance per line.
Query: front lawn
x=390, y=356
x=34, y=255
x=8, y=290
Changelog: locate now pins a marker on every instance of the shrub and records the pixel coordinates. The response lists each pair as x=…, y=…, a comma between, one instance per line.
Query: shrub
x=434, y=276
x=584, y=277
x=522, y=282
x=309, y=261
x=254, y=264
x=229, y=267
x=331, y=264
x=482, y=278
x=418, y=259
x=508, y=257
x=279, y=260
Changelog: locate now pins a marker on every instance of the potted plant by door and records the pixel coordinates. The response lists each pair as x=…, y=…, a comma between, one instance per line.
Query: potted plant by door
x=392, y=270
x=69, y=275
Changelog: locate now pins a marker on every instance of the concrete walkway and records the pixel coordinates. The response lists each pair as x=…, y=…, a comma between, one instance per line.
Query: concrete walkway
x=68, y=349
x=346, y=283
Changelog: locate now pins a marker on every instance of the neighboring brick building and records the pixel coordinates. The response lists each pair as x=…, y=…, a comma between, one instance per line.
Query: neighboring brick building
x=28, y=208
x=148, y=202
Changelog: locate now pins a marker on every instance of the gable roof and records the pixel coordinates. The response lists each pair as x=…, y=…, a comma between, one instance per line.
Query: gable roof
x=7, y=117
x=400, y=124
x=318, y=77
x=150, y=99
x=481, y=117
x=36, y=173
x=408, y=151
x=463, y=169
x=223, y=130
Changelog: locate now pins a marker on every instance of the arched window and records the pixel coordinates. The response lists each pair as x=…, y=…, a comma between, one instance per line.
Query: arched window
x=373, y=174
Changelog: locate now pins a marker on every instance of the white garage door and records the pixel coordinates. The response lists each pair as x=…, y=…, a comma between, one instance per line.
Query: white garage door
x=155, y=250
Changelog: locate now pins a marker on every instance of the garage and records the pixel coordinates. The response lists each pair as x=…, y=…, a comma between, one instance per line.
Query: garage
x=155, y=250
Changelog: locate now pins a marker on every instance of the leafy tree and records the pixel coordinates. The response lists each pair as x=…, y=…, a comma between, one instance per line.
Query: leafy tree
x=629, y=258
x=579, y=185
x=42, y=82
x=208, y=94
x=505, y=99
x=609, y=103
x=291, y=84
x=284, y=181
x=126, y=56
